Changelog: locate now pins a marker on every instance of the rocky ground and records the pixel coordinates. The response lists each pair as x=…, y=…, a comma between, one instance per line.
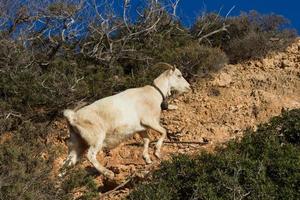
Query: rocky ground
x=220, y=108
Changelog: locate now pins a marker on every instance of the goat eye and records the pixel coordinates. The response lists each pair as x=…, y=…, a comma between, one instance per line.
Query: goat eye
x=179, y=75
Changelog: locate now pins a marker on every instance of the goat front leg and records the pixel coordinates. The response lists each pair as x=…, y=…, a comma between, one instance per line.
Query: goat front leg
x=157, y=127
x=146, y=139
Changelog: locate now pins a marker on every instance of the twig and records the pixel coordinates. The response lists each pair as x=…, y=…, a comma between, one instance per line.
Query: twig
x=12, y=114
x=175, y=142
x=147, y=29
x=244, y=195
x=174, y=6
x=116, y=188
x=223, y=28
x=233, y=7
x=184, y=142
x=126, y=5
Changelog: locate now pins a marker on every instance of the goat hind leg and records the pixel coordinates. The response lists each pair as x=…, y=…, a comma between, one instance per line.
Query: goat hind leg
x=76, y=147
x=92, y=156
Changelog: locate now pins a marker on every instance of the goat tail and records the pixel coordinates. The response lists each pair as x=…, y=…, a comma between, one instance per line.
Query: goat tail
x=70, y=115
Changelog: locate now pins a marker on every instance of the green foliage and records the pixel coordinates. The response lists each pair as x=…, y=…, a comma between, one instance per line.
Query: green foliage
x=26, y=165
x=264, y=165
x=199, y=60
x=248, y=36
x=33, y=86
x=39, y=78
x=79, y=178
x=24, y=172
x=253, y=45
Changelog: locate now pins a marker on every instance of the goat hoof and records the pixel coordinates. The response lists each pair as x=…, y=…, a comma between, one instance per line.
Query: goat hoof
x=157, y=154
x=62, y=174
x=109, y=174
x=148, y=161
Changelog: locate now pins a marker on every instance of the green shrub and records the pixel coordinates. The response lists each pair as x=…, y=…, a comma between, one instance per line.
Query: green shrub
x=253, y=45
x=79, y=178
x=199, y=60
x=248, y=36
x=26, y=166
x=195, y=60
x=264, y=165
x=24, y=172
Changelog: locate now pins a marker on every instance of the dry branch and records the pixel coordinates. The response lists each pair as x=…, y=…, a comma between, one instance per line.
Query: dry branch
x=186, y=142
x=175, y=142
x=116, y=188
x=223, y=28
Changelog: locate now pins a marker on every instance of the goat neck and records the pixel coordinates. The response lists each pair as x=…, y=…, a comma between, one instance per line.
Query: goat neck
x=162, y=83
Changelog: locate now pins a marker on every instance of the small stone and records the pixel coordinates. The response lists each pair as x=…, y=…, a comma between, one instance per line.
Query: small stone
x=285, y=63
x=223, y=80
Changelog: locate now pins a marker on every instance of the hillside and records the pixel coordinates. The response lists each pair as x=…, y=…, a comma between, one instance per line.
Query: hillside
x=64, y=54
x=220, y=108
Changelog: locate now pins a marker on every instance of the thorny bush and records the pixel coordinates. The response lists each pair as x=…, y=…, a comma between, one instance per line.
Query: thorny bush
x=264, y=165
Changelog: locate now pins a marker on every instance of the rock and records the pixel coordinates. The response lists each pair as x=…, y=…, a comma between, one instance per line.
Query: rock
x=258, y=64
x=223, y=80
x=285, y=63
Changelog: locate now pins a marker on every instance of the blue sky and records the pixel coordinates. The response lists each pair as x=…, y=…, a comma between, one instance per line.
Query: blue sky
x=189, y=9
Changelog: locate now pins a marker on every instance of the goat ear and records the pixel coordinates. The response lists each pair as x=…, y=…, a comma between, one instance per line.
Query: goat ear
x=171, y=71
x=173, y=67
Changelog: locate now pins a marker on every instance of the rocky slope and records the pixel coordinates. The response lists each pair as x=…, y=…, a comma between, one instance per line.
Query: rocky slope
x=221, y=107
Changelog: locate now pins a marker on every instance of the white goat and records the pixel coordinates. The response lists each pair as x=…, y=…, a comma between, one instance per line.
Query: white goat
x=108, y=121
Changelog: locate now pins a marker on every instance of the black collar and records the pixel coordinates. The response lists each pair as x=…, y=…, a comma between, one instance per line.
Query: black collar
x=164, y=104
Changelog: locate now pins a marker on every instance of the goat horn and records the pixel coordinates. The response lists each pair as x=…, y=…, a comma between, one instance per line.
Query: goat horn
x=165, y=64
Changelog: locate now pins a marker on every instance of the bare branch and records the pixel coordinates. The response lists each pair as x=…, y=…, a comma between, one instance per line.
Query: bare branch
x=147, y=29
x=13, y=114
x=232, y=8
x=223, y=28
x=126, y=5
x=118, y=187
x=174, y=7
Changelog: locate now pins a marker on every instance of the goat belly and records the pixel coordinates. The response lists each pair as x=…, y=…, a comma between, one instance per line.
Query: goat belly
x=120, y=134
x=113, y=140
